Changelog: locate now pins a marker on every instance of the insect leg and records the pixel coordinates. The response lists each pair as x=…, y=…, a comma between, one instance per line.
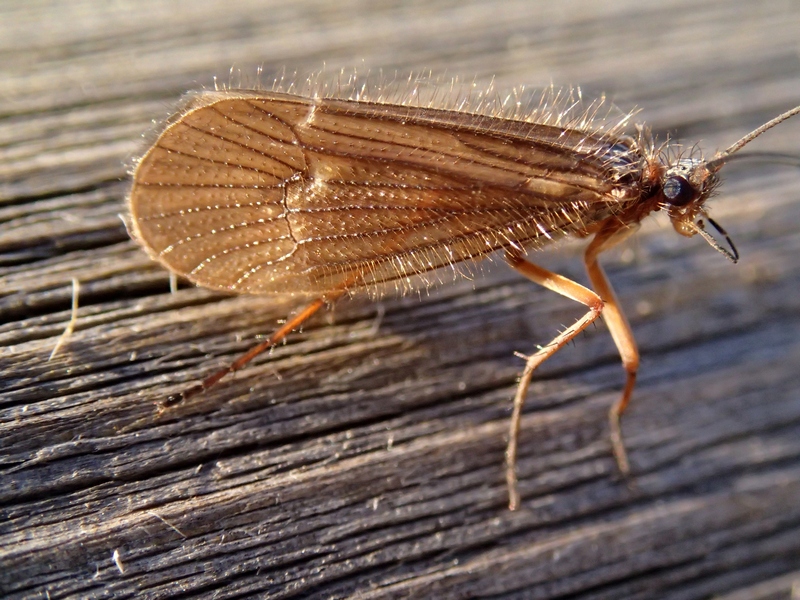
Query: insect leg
x=620, y=331
x=570, y=289
x=240, y=362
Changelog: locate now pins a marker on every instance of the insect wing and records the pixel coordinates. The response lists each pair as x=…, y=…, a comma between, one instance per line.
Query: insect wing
x=274, y=193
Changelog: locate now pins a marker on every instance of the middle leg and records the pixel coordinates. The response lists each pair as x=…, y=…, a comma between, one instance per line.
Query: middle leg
x=573, y=290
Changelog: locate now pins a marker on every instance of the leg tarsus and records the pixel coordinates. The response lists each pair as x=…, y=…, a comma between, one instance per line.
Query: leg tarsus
x=615, y=426
x=513, y=436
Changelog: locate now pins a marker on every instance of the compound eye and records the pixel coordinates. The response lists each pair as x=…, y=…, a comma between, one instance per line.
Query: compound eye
x=678, y=191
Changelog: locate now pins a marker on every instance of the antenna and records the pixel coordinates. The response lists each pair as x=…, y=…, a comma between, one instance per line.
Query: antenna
x=716, y=163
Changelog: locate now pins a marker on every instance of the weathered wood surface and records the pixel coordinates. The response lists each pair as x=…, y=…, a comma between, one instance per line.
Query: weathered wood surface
x=364, y=458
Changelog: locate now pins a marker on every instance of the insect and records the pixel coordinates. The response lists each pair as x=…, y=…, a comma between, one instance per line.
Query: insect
x=269, y=192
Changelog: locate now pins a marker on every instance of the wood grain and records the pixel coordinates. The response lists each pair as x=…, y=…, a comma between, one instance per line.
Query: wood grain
x=364, y=457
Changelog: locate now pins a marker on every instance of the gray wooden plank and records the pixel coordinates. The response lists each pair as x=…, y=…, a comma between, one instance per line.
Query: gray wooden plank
x=364, y=457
